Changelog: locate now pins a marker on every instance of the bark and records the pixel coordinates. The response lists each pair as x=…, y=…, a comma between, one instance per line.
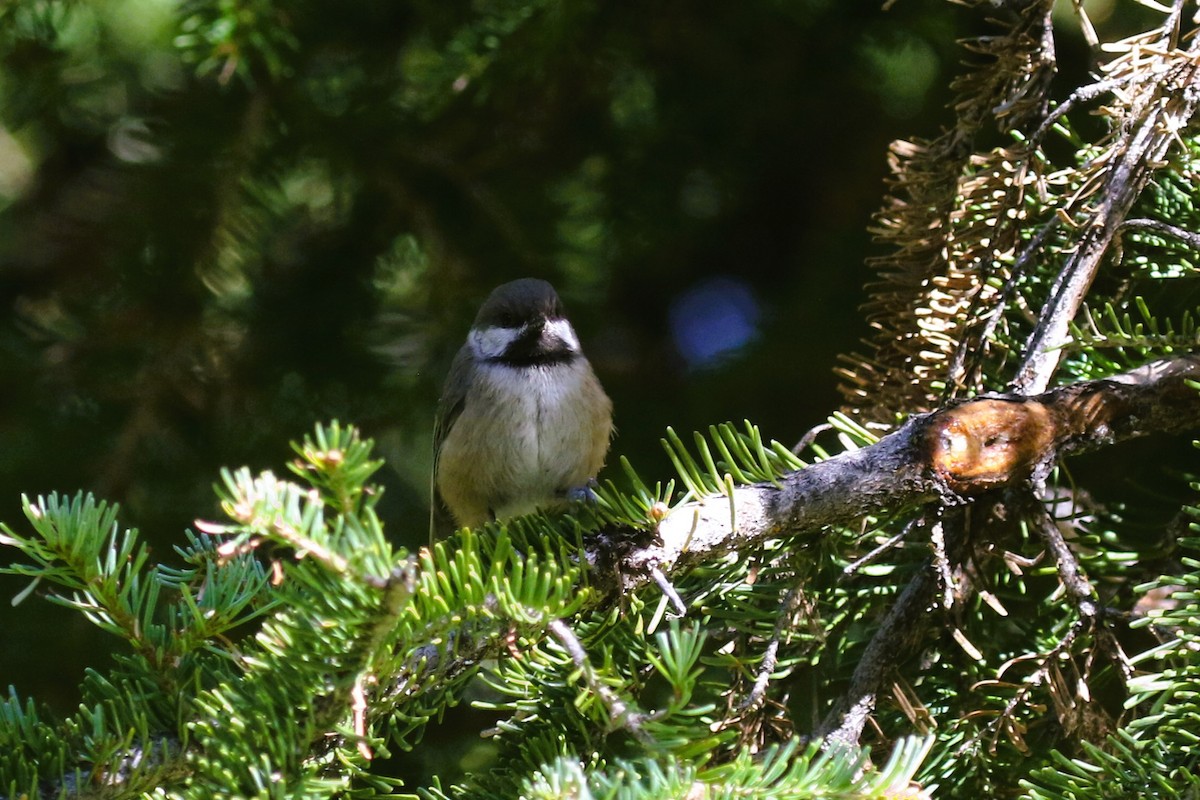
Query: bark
x=950, y=455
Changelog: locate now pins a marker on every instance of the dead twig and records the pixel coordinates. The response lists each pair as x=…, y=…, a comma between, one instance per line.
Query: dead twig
x=619, y=711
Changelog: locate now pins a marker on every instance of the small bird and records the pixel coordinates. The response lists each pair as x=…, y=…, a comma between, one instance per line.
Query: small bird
x=523, y=423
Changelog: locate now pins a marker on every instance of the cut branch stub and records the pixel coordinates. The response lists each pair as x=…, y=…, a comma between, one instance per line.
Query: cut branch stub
x=989, y=442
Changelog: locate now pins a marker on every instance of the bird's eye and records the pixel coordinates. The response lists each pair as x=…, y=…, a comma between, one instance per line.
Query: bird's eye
x=510, y=320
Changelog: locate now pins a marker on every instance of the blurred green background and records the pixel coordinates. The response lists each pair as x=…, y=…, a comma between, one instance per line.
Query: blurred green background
x=223, y=221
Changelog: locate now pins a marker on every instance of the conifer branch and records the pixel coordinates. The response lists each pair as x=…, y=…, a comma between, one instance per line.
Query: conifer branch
x=969, y=450
x=951, y=455
x=1190, y=238
x=1165, y=107
x=620, y=714
x=950, y=234
x=948, y=457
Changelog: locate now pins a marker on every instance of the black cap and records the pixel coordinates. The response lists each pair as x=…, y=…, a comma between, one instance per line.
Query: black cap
x=515, y=303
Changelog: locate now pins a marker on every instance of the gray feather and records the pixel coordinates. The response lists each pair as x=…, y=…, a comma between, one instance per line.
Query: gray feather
x=450, y=406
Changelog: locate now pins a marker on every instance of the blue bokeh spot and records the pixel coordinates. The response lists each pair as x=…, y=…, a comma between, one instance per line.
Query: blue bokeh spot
x=713, y=320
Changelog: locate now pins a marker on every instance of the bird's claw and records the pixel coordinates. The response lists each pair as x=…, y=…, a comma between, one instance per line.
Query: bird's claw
x=582, y=494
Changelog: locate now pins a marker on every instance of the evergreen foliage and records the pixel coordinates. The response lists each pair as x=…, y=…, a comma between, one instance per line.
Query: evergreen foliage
x=294, y=649
x=357, y=647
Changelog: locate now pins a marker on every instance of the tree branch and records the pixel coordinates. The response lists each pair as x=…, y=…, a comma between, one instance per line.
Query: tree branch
x=1189, y=238
x=620, y=714
x=900, y=633
x=950, y=455
x=1169, y=105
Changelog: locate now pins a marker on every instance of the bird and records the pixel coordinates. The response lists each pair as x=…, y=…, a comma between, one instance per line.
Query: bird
x=523, y=423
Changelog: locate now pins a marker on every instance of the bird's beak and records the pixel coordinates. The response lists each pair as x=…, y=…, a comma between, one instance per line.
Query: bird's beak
x=547, y=338
x=536, y=331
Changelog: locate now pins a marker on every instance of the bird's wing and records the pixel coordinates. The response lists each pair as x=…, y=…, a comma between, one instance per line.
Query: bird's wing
x=454, y=397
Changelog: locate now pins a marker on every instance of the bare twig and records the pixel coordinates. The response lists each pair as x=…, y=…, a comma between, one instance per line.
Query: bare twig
x=941, y=563
x=668, y=590
x=618, y=711
x=358, y=708
x=753, y=700
x=957, y=372
x=852, y=568
x=1190, y=238
x=1044, y=663
x=1084, y=94
x=1076, y=584
x=1169, y=105
x=810, y=436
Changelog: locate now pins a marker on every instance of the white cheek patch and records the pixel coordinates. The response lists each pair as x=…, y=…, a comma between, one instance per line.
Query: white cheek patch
x=492, y=342
x=562, y=330
x=488, y=343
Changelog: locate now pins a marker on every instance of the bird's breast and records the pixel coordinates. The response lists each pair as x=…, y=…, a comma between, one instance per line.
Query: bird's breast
x=524, y=437
x=541, y=407
x=546, y=425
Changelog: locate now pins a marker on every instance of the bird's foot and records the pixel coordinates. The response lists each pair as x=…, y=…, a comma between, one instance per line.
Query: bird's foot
x=582, y=494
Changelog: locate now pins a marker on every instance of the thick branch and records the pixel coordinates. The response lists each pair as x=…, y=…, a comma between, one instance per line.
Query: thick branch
x=949, y=455
x=900, y=632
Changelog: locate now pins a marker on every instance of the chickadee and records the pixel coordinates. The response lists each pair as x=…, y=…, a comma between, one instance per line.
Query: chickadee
x=522, y=421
